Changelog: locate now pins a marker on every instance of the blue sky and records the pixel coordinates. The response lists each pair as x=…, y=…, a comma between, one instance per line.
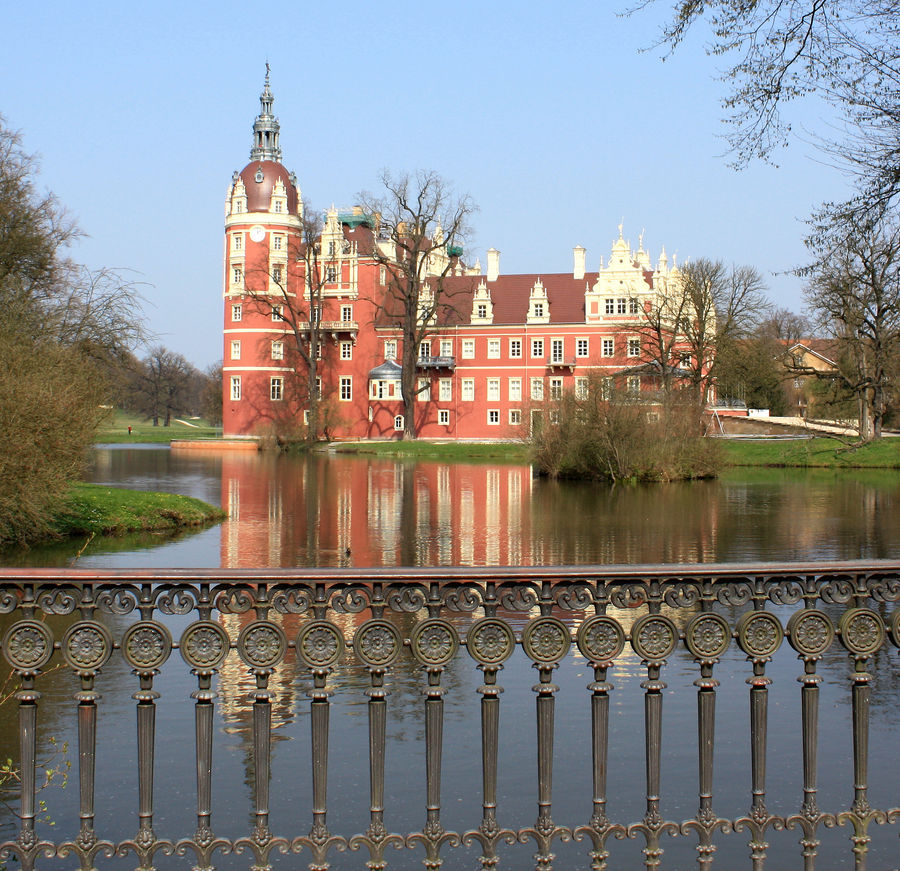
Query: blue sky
x=549, y=115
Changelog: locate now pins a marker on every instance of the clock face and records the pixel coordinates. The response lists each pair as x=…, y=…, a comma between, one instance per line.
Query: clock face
x=257, y=233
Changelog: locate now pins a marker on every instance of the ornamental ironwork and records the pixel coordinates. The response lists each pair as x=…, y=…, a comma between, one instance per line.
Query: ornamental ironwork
x=374, y=634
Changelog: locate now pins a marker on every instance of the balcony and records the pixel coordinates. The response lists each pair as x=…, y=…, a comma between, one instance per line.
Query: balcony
x=500, y=677
x=560, y=362
x=436, y=363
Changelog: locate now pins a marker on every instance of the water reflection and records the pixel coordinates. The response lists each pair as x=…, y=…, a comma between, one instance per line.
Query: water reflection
x=340, y=510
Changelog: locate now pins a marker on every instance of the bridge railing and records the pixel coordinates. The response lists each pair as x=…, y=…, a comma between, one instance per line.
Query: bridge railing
x=324, y=621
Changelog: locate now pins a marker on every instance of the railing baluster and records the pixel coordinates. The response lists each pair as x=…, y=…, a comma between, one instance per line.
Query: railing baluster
x=862, y=633
x=146, y=646
x=653, y=638
x=707, y=637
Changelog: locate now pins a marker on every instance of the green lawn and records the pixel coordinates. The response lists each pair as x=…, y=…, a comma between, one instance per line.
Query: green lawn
x=93, y=509
x=816, y=452
x=115, y=430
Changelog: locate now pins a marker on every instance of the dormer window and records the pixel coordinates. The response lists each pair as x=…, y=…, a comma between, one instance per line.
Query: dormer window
x=538, y=309
x=331, y=249
x=279, y=206
x=482, y=310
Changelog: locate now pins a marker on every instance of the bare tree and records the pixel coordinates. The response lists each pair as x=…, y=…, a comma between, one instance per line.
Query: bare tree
x=705, y=307
x=292, y=292
x=422, y=227
x=163, y=385
x=844, y=52
x=854, y=291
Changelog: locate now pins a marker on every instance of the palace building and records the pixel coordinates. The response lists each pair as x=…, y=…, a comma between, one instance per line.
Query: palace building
x=491, y=365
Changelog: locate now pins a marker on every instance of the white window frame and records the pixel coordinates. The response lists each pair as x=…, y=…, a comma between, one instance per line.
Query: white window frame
x=582, y=347
x=346, y=314
x=277, y=310
x=445, y=389
x=581, y=387
x=277, y=242
x=278, y=350
x=235, y=349
x=515, y=417
x=276, y=388
x=446, y=347
x=467, y=391
x=493, y=417
x=398, y=423
x=345, y=390
x=423, y=390
x=515, y=389
x=537, y=349
x=621, y=305
x=493, y=390
x=235, y=388
x=557, y=348
x=346, y=350
x=390, y=349
x=237, y=313
x=515, y=348
x=556, y=388
x=634, y=347
x=537, y=389
x=237, y=242
x=634, y=307
x=444, y=417
x=610, y=306
x=424, y=349
x=493, y=349
x=608, y=348
x=468, y=349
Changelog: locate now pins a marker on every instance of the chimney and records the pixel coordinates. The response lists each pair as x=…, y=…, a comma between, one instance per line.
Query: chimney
x=493, y=270
x=579, y=253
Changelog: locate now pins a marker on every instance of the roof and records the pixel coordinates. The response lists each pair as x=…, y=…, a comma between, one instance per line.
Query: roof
x=389, y=370
x=259, y=193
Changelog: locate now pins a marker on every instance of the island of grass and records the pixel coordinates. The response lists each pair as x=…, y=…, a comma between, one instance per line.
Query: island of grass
x=92, y=509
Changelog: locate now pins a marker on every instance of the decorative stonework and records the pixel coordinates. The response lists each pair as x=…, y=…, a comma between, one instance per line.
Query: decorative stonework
x=204, y=645
x=490, y=641
x=653, y=637
x=320, y=644
x=434, y=642
x=546, y=639
x=28, y=645
x=262, y=644
x=87, y=645
x=146, y=645
x=600, y=639
x=377, y=643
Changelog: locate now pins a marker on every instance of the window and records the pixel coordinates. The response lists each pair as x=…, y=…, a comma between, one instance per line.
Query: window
x=331, y=248
x=606, y=388
x=556, y=388
x=381, y=389
x=346, y=313
x=279, y=206
x=608, y=347
x=346, y=390
x=581, y=347
x=634, y=306
x=276, y=389
x=237, y=241
x=276, y=274
x=237, y=275
x=276, y=312
x=278, y=350
x=398, y=423
x=235, y=386
x=581, y=387
x=446, y=347
x=381, y=275
x=634, y=347
x=316, y=313
x=390, y=350
x=556, y=350
x=493, y=416
x=346, y=350
x=620, y=306
x=493, y=350
x=610, y=306
x=481, y=310
x=515, y=389
x=236, y=349
x=238, y=207
x=330, y=274
x=633, y=384
x=468, y=349
x=423, y=389
x=278, y=242
x=444, y=417
x=445, y=389
x=236, y=313
x=537, y=347
x=515, y=416
x=318, y=388
x=515, y=347
x=424, y=349
x=537, y=389
x=493, y=389
x=468, y=389
x=554, y=416
x=538, y=309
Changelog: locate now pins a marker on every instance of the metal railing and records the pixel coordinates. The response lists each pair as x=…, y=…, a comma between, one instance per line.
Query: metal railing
x=480, y=617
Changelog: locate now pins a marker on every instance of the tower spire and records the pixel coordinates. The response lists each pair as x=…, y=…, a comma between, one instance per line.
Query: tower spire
x=266, y=127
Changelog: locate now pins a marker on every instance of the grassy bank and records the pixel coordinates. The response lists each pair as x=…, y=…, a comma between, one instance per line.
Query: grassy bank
x=804, y=453
x=92, y=509
x=504, y=452
x=115, y=430
x=811, y=453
